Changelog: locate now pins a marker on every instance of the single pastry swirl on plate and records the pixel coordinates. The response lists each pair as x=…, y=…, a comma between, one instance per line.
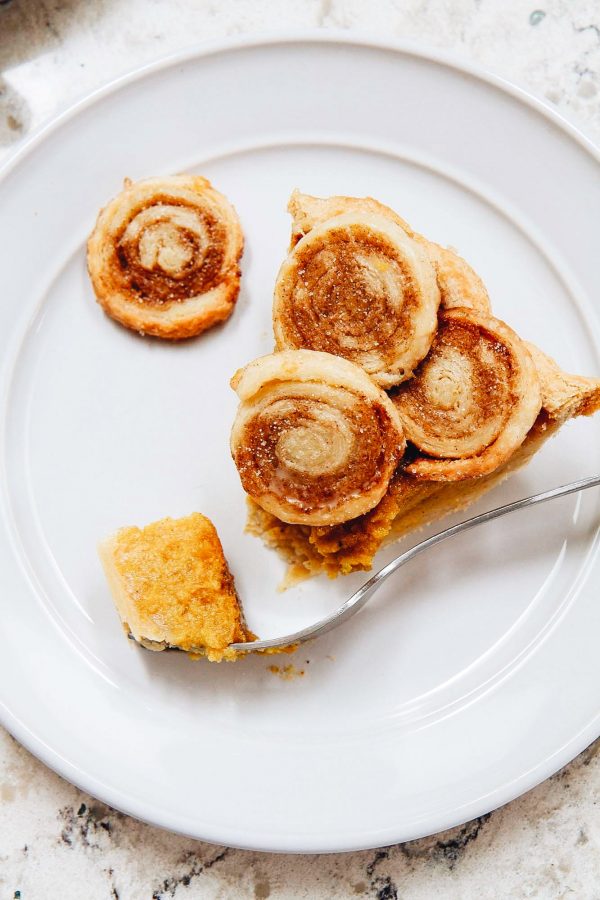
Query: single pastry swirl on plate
x=164, y=256
x=472, y=401
x=315, y=440
x=358, y=286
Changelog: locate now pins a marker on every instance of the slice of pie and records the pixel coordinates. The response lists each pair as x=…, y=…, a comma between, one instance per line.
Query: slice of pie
x=475, y=401
x=173, y=589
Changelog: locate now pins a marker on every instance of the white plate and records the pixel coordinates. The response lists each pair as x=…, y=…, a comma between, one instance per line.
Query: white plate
x=475, y=673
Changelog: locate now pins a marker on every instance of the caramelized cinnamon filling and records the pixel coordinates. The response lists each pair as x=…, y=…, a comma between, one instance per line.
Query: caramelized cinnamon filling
x=313, y=454
x=460, y=398
x=169, y=251
x=350, y=291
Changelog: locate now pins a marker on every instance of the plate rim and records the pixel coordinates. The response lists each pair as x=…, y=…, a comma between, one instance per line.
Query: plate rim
x=270, y=37
x=360, y=38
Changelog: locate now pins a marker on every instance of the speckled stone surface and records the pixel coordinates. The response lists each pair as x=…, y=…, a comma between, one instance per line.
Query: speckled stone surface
x=55, y=841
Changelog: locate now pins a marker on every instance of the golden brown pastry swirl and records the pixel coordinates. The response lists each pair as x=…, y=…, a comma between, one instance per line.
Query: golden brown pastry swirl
x=473, y=399
x=163, y=257
x=315, y=440
x=458, y=283
x=359, y=287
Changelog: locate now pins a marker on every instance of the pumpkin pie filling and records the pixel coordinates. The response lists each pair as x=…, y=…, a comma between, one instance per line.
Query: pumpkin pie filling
x=173, y=589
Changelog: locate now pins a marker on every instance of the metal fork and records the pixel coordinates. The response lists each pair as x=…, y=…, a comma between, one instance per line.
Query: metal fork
x=364, y=593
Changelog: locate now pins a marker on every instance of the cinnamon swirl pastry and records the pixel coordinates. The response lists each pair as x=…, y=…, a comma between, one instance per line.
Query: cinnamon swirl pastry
x=359, y=287
x=164, y=256
x=472, y=401
x=458, y=283
x=315, y=440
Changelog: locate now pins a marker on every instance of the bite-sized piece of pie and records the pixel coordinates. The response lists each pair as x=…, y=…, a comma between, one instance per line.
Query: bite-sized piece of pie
x=173, y=589
x=315, y=440
x=410, y=502
x=458, y=283
x=164, y=256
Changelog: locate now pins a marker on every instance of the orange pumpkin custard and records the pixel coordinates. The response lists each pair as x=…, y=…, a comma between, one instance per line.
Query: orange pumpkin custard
x=173, y=589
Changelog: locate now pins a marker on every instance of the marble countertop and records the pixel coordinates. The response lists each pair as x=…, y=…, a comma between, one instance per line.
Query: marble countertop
x=57, y=842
